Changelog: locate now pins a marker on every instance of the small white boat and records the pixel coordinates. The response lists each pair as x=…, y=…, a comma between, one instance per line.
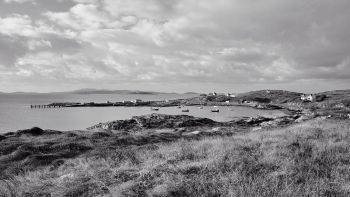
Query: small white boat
x=200, y=107
x=215, y=109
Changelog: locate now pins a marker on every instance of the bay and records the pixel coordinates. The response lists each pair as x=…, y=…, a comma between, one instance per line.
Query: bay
x=16, y=114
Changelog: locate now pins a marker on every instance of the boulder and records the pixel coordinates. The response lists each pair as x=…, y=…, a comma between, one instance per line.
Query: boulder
x=33, y=131
x=36, y=131
x=250, y=121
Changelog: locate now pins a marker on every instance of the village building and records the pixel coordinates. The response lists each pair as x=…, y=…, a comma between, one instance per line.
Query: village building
x=125, y=102
x=136, y=101
x=307, y=97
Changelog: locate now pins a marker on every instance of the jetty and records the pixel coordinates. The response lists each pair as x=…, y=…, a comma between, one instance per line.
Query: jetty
x=46, y=106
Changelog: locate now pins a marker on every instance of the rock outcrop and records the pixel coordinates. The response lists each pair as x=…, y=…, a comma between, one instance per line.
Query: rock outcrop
x=156, y=121
x=35, y=131
x=2, y=137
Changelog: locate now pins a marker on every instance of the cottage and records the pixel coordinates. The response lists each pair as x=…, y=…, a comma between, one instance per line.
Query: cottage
x=307, y=97
x=213, y=94
x=136, y=101
x=127, y=102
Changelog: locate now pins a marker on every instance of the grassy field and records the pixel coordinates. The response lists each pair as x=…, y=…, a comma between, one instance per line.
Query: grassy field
x=307, y=159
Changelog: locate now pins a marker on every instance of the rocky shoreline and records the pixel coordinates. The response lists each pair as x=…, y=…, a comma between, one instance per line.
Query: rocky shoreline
x=32, y=148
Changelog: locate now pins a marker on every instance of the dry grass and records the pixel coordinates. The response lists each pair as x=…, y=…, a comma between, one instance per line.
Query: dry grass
x=311, y=159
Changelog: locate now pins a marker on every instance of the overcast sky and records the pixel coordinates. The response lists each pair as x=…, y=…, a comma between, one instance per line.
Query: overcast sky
x=174, y=45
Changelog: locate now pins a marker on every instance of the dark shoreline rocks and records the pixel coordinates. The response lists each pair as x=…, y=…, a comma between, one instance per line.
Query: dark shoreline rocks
x=155, y=121
x=2, y=137
x=163, y=121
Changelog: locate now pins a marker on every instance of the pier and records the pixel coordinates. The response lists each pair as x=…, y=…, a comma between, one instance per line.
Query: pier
x=46, y=106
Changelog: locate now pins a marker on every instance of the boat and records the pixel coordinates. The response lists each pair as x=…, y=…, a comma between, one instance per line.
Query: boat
x=215, y=109
x=185, y=110
x=200, y=107
x=154, y=108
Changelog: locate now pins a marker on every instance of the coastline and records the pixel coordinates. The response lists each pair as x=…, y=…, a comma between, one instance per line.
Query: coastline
x=120, y=152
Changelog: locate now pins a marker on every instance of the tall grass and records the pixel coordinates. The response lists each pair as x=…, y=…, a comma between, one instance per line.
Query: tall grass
x=311, y=159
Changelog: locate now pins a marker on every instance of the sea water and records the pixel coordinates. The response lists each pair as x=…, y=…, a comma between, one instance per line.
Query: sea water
x=15, y=111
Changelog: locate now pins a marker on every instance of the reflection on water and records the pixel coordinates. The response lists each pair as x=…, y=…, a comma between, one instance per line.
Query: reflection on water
x=16, y=115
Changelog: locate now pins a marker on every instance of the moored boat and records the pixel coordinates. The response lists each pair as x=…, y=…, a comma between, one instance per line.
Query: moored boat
x=215, y=109
x=154, y=108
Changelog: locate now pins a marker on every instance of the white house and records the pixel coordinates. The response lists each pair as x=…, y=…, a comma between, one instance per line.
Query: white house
x=136, y=101
x=307, y=97
x=230, y=95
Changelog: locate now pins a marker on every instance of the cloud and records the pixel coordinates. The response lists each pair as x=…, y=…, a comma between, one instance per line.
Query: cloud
x=18, y=1
x=35, y=44
x=17, y=25
x=181, y=42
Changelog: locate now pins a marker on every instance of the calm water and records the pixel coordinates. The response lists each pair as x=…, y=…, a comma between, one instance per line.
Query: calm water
x=16, y=114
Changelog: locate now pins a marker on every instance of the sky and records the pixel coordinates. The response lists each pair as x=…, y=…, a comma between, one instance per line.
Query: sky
x=174, y=45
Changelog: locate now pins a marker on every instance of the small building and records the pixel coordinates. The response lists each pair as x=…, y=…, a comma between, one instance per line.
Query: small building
x=307, y=97
x=136, y=101
x=227, y=101
x=230, y=95
x=212, y=94
x=125, y=102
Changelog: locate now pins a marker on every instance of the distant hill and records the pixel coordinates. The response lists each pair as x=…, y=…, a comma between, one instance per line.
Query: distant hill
x=99, y=91
x=190, y=93
x=103, y=91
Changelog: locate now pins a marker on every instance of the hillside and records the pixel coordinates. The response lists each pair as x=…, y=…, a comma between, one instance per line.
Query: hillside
x=308, y=159
x=101, y=91
x=274, y=96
